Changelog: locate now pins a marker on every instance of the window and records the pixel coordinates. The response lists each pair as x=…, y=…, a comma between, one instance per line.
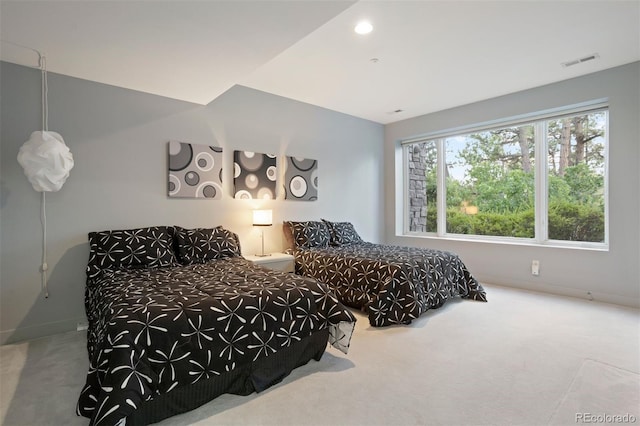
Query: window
x=540, y=180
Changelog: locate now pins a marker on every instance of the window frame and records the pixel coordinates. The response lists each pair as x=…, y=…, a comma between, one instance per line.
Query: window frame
x=539, y=121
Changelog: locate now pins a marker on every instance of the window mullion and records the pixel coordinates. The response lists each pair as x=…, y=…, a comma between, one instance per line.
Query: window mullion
x=406, y=225
x=541, y=187
x=441, y=189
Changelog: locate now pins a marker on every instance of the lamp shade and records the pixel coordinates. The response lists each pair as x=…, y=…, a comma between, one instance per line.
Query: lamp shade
x=46, y=161
x=262, y=218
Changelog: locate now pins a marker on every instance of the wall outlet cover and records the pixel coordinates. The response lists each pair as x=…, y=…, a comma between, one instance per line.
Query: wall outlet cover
x=535, y=267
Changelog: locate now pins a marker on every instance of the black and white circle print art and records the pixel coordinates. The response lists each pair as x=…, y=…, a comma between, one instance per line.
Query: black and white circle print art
x=254, y=175
x=195, y=171
x=301, y=179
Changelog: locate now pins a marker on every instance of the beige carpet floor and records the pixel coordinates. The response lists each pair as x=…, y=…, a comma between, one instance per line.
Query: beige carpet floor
x=524, y=358
x=600, y=391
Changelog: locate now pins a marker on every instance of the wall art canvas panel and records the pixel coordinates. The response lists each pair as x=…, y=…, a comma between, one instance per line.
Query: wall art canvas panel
x=195, y=171
x=301, y=179
x=254, y=175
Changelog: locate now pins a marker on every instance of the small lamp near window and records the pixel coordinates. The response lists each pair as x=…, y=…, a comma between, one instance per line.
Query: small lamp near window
x=262, y=218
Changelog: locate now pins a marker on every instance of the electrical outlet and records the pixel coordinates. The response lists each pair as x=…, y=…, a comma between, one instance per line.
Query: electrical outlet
x=535, y=267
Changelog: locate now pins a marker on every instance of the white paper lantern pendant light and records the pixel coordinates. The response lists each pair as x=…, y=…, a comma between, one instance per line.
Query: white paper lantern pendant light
x=46, y=161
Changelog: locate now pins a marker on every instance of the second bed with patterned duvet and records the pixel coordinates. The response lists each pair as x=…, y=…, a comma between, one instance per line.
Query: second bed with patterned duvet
x=392, y=284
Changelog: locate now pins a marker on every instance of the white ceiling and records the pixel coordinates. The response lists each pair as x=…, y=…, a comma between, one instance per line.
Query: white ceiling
x=188, y=50
x=431, y=55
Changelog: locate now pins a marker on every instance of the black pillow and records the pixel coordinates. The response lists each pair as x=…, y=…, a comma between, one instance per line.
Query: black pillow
x=150, y=247
x=343, y=233
x=201, y=245
x=309, y=234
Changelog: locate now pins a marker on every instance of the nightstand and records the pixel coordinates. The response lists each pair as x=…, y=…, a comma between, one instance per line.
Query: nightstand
x=277, y=261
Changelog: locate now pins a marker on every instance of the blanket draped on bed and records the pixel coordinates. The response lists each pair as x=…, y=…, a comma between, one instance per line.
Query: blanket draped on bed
x=157, y=331
x=393, y=284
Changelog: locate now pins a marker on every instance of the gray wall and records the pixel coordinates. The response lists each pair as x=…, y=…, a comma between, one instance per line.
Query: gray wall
x=611, y=276
x=118, y=138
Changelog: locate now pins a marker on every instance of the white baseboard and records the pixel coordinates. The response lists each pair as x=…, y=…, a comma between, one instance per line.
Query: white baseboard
x=42, y=330
x=569, y=291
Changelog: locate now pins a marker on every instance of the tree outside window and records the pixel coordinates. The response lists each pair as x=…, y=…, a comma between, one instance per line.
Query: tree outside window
x=490, y=180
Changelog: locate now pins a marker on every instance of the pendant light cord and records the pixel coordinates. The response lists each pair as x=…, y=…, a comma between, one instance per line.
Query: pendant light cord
x=42, y=62
x=43, y=270
x=42, y=65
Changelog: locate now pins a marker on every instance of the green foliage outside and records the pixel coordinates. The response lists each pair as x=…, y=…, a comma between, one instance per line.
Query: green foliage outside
x=574, y=222
x=500, y=181
x=567, y=222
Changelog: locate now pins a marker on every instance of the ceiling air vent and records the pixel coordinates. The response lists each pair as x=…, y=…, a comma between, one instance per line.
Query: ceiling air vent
x=580, y=60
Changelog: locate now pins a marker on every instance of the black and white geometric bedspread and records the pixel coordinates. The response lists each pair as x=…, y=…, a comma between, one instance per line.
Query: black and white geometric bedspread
x=393, y=284
x=152, y=331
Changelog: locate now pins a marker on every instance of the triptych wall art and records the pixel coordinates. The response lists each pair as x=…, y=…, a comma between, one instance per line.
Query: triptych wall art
x=195, y=171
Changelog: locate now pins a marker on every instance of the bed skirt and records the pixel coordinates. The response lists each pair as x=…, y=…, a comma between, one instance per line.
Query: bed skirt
x=244, y=380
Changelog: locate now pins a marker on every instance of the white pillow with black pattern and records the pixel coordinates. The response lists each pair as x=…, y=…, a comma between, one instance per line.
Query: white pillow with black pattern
x=309, y=234
x=150, y=247
x=202, y=245
x=343, y=233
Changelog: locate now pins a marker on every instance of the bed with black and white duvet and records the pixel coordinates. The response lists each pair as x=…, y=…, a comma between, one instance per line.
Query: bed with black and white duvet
x=392, y=284
x=178, y=317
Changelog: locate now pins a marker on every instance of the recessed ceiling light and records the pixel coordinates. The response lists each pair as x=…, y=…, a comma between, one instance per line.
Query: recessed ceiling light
x=363, y=27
